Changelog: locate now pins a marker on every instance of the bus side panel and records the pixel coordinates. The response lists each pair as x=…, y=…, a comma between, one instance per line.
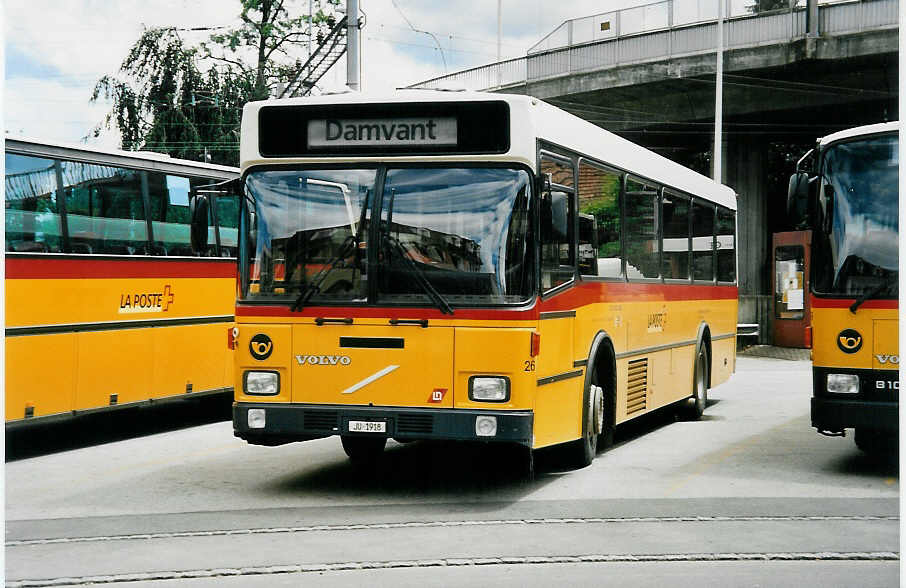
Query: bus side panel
x=558, y=405
x=723, y=360
x=193, y=354
x=30, y=380
x=113, y=362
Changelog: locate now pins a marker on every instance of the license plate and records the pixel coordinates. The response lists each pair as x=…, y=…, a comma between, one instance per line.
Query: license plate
x=367, y=426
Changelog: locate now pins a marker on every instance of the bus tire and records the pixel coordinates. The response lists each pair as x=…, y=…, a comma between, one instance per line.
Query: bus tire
x=582, y=451
x=875, y=442
x=696, y=403
x=607, y=421
x=363, y=449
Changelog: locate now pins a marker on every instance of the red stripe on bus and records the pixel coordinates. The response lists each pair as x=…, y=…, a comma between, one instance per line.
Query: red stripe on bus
x=847, y=302
x=582, y=295
x=36, y=268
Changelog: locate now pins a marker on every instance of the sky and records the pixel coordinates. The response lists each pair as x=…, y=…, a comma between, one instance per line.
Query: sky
x=55, y=51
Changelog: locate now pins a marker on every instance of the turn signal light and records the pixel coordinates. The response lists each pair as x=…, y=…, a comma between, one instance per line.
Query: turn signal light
x=535, y=347
x=808, y=337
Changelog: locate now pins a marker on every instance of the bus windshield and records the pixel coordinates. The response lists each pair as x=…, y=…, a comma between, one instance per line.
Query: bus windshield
x=446, y=236
x=855, y=246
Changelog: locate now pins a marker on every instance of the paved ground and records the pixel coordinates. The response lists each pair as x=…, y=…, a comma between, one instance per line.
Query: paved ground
x=770, y=351
x=748, y=496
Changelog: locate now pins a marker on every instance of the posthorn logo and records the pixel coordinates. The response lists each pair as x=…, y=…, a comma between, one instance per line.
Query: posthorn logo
x=849, y=341
x=261, y=346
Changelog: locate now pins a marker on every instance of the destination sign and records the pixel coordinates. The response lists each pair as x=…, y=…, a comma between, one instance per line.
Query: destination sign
x=380, y=132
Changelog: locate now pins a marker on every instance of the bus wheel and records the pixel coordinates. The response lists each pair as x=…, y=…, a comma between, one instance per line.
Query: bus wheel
x=582, y=451
x=876, y=442
x=526, y=462
x=607, y=420
x=696, y=404
x=363, y=449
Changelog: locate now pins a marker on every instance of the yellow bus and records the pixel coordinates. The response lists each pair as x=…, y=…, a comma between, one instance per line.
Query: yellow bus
x=846, y=190
x=107, y=304
x=468, y=266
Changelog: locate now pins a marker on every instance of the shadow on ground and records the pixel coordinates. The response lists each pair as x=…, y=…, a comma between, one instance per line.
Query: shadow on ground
x=38, y=438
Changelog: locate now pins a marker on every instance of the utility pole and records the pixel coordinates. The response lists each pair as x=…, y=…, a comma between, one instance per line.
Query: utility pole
x=719, y=94
x=499, y=28
x=353, y=71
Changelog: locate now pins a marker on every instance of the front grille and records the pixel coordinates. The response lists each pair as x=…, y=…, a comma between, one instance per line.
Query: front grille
x=415, y=423
x=320, y=420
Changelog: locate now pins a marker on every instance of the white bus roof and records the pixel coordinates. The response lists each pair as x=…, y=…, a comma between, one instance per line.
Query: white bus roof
x=859, y=131
x=530, y=119
x=51, y=148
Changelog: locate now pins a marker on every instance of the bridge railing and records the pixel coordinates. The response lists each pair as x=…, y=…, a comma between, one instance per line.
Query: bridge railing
x=674, y=28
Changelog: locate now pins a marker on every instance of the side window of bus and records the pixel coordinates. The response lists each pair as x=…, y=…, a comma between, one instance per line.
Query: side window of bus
x=641, y=229
x=105, y=211
x=558, y=260
x=170, y=214
x=702, y=241
x=675, y=215
x=228, y=223
x=599, y=221
x=32, y=213
x=726, y=245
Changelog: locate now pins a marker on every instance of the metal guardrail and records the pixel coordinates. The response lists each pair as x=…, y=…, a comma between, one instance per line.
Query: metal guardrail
x=670, y=40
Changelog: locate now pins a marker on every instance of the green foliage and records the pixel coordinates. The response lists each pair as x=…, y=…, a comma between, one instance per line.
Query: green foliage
x=767, y=5
x=605, y=207
x=186, y=99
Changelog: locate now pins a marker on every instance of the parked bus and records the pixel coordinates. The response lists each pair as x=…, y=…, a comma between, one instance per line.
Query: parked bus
x=846, y=191
x=107, y=304
x=440, y=285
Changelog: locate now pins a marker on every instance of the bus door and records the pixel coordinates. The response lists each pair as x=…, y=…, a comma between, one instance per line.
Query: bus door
x=792, y=313
x=558, y=405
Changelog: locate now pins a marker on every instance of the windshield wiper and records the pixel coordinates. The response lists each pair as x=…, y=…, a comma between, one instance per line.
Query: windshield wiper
x=354, y=239
x=419, y=274
x=890, y=281
x=315, y=285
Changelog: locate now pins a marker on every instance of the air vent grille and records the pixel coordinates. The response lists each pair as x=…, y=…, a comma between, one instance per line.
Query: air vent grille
x=415, y=423
x=637, y=386
x=320, y=420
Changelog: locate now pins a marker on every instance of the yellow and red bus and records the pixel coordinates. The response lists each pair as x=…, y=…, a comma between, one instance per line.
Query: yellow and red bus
x=468, y=266
x=107, y=304
x=848, y=189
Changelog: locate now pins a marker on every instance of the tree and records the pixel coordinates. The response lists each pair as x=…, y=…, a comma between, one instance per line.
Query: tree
x=186, y=99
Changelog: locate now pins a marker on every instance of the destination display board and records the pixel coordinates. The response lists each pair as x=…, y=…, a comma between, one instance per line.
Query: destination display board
x=477, y=127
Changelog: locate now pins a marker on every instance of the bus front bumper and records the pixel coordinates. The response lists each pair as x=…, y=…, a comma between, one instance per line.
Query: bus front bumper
x=275, y=424
x=835, y=414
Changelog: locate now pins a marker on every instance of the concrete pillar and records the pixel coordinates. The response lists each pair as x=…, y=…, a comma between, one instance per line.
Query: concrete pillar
x=745, y=170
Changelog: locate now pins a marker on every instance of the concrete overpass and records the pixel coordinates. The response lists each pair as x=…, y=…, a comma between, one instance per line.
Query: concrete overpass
x=648, y=73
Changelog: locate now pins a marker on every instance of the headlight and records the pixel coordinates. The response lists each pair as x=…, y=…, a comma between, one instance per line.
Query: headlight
x=261, y=383
x=256, y=418
x=843, y=383
x=485, y=426
x=489, y=388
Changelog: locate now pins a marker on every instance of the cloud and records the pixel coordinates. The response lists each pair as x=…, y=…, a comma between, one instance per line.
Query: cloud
x=70, y=45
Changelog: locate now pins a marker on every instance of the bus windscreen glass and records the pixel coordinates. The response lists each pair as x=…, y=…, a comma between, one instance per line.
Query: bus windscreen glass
x=461, y=232
x=856, y=245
